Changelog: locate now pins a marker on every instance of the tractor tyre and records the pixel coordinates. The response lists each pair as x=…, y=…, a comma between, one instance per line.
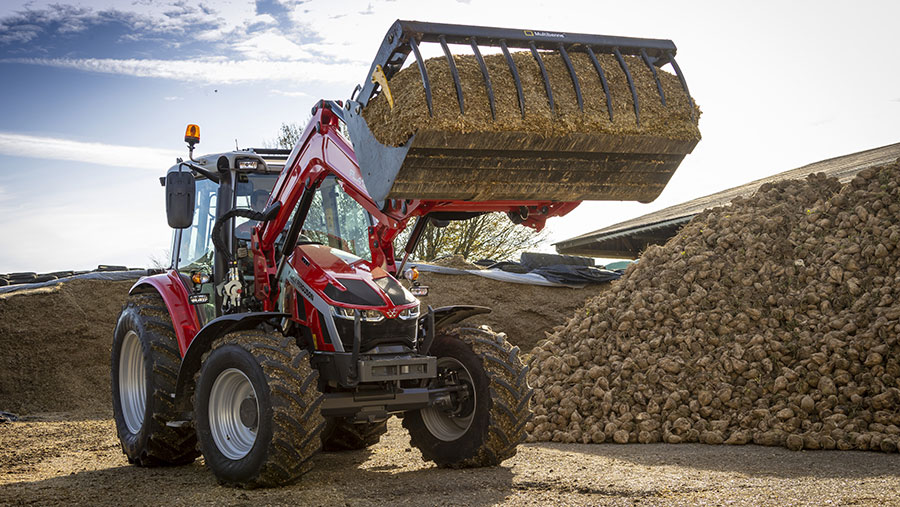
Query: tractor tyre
x=257, y=409
x=340, y=434
x=486, y=421
x=145, y=362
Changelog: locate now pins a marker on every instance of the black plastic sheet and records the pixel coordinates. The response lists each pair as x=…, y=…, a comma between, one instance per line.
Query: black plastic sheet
x=132, y=274
x=568, y=274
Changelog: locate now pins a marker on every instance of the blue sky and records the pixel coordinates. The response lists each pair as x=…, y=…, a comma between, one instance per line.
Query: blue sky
x=95, y=96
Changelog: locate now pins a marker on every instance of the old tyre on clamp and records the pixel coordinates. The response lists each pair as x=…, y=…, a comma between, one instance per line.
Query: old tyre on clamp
x=256, y=409
x=483, y=421
x=145, y=362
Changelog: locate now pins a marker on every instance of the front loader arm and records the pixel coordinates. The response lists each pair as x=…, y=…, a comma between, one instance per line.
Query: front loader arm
x=321, y=150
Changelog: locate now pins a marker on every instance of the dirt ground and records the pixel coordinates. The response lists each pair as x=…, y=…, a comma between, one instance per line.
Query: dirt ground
x=523, y=312
x=53, y=462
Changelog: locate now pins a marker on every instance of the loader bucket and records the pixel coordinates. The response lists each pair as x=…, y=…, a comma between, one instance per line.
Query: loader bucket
x=518, y=134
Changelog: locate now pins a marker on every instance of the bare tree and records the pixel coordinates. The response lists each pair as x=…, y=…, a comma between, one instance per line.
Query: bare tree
x=288, y=135
x=161, y=260
x=489, y=236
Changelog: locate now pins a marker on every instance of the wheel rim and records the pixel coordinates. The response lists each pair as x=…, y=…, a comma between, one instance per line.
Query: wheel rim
x=443, y=424
x=132, y=382
x=233, y=414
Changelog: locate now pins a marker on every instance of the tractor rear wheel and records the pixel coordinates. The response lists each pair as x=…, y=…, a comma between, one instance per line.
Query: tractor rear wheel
x=483, y=421
x=256, y=409
x=340, y=434
x=145, y=362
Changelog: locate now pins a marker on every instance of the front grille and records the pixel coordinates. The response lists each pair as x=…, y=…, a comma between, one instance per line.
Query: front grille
x=388, y=331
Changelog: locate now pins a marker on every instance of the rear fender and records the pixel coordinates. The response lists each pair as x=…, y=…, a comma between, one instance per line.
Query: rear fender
x=446, y=316
x=175, y=295
x=203, y=341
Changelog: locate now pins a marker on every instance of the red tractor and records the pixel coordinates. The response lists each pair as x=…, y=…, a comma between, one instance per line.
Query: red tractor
x=281, y=327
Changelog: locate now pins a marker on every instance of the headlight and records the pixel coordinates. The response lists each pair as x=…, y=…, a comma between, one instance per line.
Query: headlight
x=248, y=164
x=350, y=314
x=410, y=313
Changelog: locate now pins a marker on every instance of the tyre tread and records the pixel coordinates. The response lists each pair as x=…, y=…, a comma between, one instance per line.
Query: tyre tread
x=293, y=390
x=165, y=445
x=510, y=395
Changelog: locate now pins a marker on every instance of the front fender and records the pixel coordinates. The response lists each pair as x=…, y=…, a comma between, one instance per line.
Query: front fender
x=203, y=341
x=446, y=316
x=175, y=295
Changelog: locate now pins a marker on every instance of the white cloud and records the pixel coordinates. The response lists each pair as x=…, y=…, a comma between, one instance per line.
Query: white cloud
x=263, y=19
x=155, y=14
x=21, y=34
x=207, y=71
x=271, y=46
x=222, y=22
x=289, y=93
x=172, y=98
x=19, y=145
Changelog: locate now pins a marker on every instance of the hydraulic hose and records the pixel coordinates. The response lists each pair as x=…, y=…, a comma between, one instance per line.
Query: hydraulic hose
x=260, y=216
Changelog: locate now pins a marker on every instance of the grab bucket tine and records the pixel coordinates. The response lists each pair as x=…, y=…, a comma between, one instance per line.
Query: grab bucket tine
x=565, y=57
x=600, y=73
x=424, y=72
x=659, y=88
x=634, y=97
x=487, y=77
x=683, y=82
x=515, y=75
x=540, y=61
x=455, y=73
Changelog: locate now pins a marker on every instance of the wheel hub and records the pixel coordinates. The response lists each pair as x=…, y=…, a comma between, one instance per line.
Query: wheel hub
x=233, y=413
x=463, y=401
x=249, y=416
x=451, y=417
x=132, y=382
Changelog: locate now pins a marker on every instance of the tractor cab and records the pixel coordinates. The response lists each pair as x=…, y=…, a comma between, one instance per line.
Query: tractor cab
x=222, y=182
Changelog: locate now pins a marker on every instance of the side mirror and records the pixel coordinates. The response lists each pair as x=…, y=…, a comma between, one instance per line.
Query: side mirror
x=180, y=196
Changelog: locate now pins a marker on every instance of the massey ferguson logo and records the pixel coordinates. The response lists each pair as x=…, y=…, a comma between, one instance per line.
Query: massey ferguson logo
x=391, y=314
x=296, y=282
x=532, y=33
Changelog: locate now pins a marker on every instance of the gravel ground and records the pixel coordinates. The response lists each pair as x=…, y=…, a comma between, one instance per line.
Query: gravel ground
x=56, y=460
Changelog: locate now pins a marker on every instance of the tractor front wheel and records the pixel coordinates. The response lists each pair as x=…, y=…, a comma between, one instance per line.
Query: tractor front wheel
x=256, y=406
x=482, y=421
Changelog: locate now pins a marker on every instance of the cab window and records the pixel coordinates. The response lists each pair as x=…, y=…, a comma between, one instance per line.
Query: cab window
x=337, y=220
x=252, y=191
x=195, y=253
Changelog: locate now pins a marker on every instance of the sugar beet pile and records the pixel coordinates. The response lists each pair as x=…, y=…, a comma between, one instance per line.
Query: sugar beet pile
x=774, y=320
